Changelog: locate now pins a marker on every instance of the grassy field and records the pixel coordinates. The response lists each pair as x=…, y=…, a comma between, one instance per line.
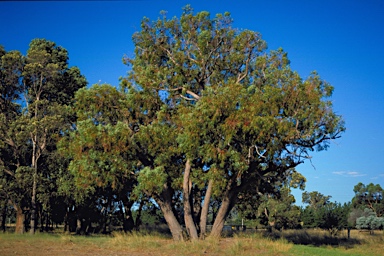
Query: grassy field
x=280, y=243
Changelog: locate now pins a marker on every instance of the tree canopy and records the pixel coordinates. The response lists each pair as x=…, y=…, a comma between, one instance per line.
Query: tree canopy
x=36, y=92
x=209, y=113
x=369, y=196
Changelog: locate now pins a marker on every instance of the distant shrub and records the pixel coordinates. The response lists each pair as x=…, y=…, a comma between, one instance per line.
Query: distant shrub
x=370, y=221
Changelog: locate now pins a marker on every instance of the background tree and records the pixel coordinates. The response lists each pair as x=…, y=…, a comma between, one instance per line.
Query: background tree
x=322, y=213
x=13, y=154
x=100, y=152
x=315, y=199
x=311, y=215
x=332, y=217
x=274, y=207
x=280, y=212
x=369, y=196
x=47, y=86
x=369, y=221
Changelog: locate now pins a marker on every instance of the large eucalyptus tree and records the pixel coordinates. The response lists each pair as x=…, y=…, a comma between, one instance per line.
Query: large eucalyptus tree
x=205, y=112
x=231, y=117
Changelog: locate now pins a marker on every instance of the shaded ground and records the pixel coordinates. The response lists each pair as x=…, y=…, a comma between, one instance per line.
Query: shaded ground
x=317, y=238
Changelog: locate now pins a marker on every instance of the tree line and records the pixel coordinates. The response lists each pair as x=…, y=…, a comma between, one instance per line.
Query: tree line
x=206, y=121
x=280, y=211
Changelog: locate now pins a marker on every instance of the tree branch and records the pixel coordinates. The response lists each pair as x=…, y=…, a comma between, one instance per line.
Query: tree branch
x=194, y=95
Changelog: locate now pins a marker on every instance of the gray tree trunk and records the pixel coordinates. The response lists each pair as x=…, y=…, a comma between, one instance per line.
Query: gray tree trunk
x=33, y=202
x=165, y=203
x=170, y=218
x=228, y=201
x=204, y=210
x=188, y=218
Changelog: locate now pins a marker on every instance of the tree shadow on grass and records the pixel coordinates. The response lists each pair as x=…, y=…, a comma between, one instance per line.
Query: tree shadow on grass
x=314, y=238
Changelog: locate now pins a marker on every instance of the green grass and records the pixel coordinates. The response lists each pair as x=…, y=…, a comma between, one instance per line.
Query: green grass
x=324, y=250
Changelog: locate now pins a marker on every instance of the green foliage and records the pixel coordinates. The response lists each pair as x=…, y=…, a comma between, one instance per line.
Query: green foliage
x=199, y=91
x=36, y=90
x=333, y=217
x=369, y=196
x=369, y=220
x=324, y=214
x=151, y=181
x=238, y=112
x=315, y=199
x=280, y=212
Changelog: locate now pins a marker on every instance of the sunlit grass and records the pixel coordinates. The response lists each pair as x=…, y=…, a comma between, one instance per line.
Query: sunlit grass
x=291, y=242
x=137, y=240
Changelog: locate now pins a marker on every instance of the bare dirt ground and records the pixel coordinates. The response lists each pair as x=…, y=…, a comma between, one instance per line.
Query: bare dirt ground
x=69, y=247
x=52, y=249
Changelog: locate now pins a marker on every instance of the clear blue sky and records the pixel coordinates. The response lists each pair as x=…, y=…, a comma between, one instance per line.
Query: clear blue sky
x=342, y=40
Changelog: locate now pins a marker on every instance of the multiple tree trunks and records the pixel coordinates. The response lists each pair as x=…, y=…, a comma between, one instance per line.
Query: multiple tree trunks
x=237, y=115
x=204, y=105
x=37, y=90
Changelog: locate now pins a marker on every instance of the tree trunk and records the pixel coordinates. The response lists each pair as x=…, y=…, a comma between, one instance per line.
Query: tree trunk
x=66, y=221
x=48, y=222
x=33, y=203
x=165, y=204
x=196, y=200
x=42, y=217
x=227, y=204
x=128, y=223
x=173, y=224
x=78, y=226
x=138, y=216
x=36, y=150
x=34, y=186
x=188, y=218
x=20, y=218
x=3, y=206
x=204, y=210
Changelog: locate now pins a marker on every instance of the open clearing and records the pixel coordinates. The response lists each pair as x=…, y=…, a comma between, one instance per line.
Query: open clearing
x=285, y=243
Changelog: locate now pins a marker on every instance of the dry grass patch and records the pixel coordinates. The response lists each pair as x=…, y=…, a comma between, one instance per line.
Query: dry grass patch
x=155, y=244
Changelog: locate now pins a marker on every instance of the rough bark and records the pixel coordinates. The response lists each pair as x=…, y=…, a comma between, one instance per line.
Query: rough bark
x=204, y=210
x=188, y=218
x=20, y=221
